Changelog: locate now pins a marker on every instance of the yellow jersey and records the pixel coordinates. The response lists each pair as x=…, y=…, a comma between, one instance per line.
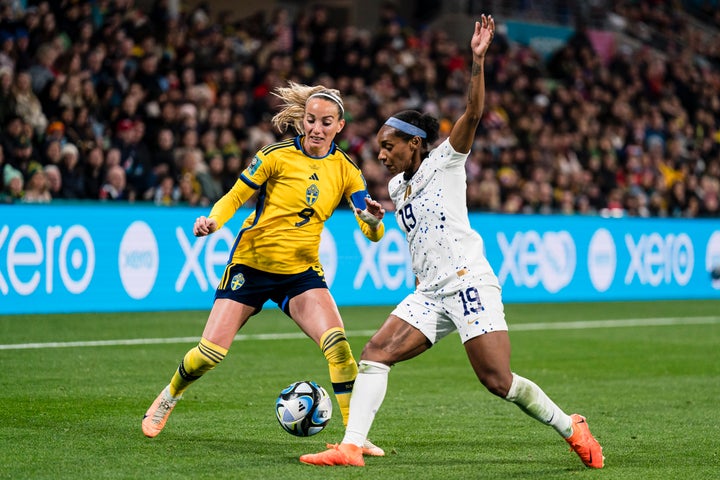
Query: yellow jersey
x=297, y=193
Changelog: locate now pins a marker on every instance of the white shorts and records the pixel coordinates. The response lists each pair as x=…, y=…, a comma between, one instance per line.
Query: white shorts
x=472, y=312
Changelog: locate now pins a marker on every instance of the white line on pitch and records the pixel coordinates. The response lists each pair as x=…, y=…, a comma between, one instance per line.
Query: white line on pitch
x=578, y=325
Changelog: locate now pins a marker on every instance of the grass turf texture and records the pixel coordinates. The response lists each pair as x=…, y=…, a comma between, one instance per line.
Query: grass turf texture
x=650, y=394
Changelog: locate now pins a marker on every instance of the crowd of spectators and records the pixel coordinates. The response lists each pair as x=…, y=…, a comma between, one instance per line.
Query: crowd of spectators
x=100, y=100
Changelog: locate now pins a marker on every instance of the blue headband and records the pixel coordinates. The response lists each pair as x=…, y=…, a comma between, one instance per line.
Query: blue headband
x=406, y=127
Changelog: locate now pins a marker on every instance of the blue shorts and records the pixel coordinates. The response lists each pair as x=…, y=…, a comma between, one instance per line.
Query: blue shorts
x=254, y=287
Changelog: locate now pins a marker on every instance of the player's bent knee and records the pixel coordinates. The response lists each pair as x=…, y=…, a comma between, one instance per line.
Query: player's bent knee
x=376, y=353
x=496, y=383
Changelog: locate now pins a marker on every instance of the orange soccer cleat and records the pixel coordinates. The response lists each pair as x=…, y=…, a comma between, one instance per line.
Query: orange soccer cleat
x=584, y=444
x=337, y=455
x=158, y=413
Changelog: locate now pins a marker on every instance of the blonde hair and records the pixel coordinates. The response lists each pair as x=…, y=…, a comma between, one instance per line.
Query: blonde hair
x=294, y=98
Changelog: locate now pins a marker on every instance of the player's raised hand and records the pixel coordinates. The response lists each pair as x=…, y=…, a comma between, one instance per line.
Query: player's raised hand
x=204, y=226
x=373, y=213
x=484, y=33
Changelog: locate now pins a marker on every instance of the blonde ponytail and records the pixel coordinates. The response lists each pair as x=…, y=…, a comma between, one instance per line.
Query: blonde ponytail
x=294, y=98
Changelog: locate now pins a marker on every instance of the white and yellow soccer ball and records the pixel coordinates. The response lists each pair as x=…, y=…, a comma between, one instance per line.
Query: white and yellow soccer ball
x=303, y=408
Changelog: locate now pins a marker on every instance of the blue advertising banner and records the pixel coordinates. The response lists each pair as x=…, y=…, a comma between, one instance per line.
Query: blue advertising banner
x=99, y=258
x=558, y=258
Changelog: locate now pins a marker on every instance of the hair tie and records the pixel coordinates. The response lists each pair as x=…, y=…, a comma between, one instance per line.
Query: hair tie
x=406, y=127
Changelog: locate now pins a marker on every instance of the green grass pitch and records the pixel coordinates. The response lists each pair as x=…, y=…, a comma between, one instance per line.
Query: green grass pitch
x=646, y=375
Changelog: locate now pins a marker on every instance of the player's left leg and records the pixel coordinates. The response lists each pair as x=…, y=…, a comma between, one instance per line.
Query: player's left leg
x=489, y=356
x=483, y=331
x=341, y=365
x=316, y=313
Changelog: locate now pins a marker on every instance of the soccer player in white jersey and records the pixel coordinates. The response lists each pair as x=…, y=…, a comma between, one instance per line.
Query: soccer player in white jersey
x=456, y=289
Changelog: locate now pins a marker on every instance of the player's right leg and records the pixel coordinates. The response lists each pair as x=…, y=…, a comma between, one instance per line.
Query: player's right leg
x=368, y=395
x=489, y=355
x=197, y=361
x=395, y=341
x=226, y=318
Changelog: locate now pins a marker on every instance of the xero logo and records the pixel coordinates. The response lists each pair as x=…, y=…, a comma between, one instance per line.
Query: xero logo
x=655, y=259
x=530, y=259
x=32, y=256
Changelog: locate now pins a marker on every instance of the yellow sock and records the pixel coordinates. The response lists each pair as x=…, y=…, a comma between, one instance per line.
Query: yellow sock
x=342, y=366
x=198, y=361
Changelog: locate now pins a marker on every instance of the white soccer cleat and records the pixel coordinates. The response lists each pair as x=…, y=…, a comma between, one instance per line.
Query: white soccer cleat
x=369, y=449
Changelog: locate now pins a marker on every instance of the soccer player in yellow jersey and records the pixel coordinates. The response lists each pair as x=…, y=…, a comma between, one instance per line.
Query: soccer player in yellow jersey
x=300, y=182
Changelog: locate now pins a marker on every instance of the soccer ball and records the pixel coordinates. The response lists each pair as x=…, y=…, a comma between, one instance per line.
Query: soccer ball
x=303, y=408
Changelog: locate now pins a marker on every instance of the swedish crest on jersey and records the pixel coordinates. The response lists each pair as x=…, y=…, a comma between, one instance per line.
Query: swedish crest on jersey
x=311, y=194
x=237, y=281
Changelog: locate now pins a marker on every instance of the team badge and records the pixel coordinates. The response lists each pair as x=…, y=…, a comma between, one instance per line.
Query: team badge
x=408, y=191
x=311, y=194
x=254, y=165
x=237, y=281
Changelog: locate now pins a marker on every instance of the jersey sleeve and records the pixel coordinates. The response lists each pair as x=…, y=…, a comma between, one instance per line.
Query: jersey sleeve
x=225, y=208
x=447, y=157
x=248, y=182
x=372, y=235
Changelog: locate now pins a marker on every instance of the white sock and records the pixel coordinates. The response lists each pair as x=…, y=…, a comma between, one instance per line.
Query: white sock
x=532, y=400
x=367, y=396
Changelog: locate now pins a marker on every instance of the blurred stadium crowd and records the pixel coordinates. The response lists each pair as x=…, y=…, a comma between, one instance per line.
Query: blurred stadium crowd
x=100, y=100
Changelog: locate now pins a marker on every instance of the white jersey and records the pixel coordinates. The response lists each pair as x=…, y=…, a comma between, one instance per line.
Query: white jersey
x=431, y=208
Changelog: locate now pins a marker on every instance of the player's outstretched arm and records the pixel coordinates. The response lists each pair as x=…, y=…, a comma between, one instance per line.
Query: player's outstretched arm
x=204, y=226
x=463, y=133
